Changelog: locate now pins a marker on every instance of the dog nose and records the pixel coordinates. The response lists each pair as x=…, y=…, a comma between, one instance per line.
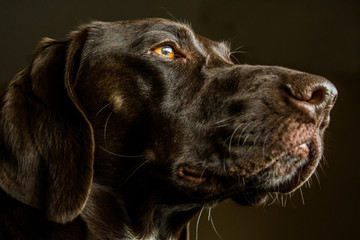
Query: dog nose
x=313, y=95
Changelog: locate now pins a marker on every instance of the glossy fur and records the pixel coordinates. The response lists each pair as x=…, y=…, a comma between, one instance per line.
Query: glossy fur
x=103, y=138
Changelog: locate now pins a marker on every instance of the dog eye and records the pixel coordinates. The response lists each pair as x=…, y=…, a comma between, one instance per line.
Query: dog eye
x=166, y=51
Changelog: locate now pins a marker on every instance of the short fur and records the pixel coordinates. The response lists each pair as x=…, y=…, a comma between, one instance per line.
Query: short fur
x=103, y=138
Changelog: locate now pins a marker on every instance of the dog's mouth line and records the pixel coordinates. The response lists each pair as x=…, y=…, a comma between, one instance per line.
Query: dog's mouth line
x=294, y=167
x=194, y=175
x=295, y=157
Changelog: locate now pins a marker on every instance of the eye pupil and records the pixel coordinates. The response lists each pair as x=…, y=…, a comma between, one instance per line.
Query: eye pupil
x=167, y=50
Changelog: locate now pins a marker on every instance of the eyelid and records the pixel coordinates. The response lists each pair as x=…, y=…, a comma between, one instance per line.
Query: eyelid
x=167, y=43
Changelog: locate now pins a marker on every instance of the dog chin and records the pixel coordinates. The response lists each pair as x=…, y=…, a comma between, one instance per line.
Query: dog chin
x=254, y=199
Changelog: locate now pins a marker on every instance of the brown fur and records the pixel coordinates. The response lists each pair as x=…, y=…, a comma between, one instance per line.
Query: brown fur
x=103, y=138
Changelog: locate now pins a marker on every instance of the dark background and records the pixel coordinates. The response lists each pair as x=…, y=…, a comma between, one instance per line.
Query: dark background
x=321, y=37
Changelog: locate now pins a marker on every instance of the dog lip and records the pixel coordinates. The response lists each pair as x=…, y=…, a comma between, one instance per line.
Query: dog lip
x=302, y=151
x=193, y=174
x=305, y=163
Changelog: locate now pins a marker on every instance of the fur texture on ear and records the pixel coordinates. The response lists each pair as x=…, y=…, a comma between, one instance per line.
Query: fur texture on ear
x=46, y=141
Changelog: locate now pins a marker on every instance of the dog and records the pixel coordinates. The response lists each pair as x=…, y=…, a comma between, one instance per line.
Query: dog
x=126, y=130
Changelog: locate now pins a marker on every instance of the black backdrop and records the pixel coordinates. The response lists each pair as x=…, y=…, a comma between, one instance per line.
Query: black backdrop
x=321, y=37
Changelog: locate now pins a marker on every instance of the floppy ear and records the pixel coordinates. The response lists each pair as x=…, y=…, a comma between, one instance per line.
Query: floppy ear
x=46, y=141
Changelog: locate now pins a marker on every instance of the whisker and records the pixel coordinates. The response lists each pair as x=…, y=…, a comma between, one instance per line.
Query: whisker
x=204, y=163
x=234, y=57
x=264, y=143
x=210, y=219
x=224, y=120
x=197, y=223
x=286, y=197
x=324, y=161
x=202, y=174
x=317, y=178
x=241, y=181
x=282, y=200
x=310, y=181
x=291, y=194
x=223, y=125
x=277, y=197
x=322, y=168
x=232, y=136
x=302, y=196
x=102, y=109
x=254, y=143
x=105, y=127
x=119, y=155
x=242, y=145
x=273, y=199
x=234, y=52
x=224, y=168
x=135, y=170
x=242, y=132
x=237, y=48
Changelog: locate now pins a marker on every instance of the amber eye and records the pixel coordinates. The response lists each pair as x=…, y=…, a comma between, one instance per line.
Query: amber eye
x=166, y=51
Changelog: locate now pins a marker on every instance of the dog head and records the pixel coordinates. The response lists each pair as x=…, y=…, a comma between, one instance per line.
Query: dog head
x=148, y=104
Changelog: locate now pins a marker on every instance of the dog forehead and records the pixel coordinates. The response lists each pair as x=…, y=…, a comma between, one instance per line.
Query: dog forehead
x=106, y=37
x=183, y=31
x=157, y=25
x=128, y=30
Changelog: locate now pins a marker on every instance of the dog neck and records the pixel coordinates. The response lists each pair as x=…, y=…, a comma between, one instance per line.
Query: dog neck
x=136, y=217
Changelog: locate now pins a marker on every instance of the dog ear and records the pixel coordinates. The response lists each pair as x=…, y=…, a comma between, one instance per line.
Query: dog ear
x=46, y=141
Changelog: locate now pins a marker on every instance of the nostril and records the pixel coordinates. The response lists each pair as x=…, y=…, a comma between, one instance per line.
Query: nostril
x=311, y=95
x=295, y=93
x=318, y=96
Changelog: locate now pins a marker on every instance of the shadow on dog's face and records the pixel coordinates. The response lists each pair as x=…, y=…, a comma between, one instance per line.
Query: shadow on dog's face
x=172, y=112
x=132, y=127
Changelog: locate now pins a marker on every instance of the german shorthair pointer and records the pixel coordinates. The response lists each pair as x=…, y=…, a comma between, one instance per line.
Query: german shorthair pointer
x=126, y=130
